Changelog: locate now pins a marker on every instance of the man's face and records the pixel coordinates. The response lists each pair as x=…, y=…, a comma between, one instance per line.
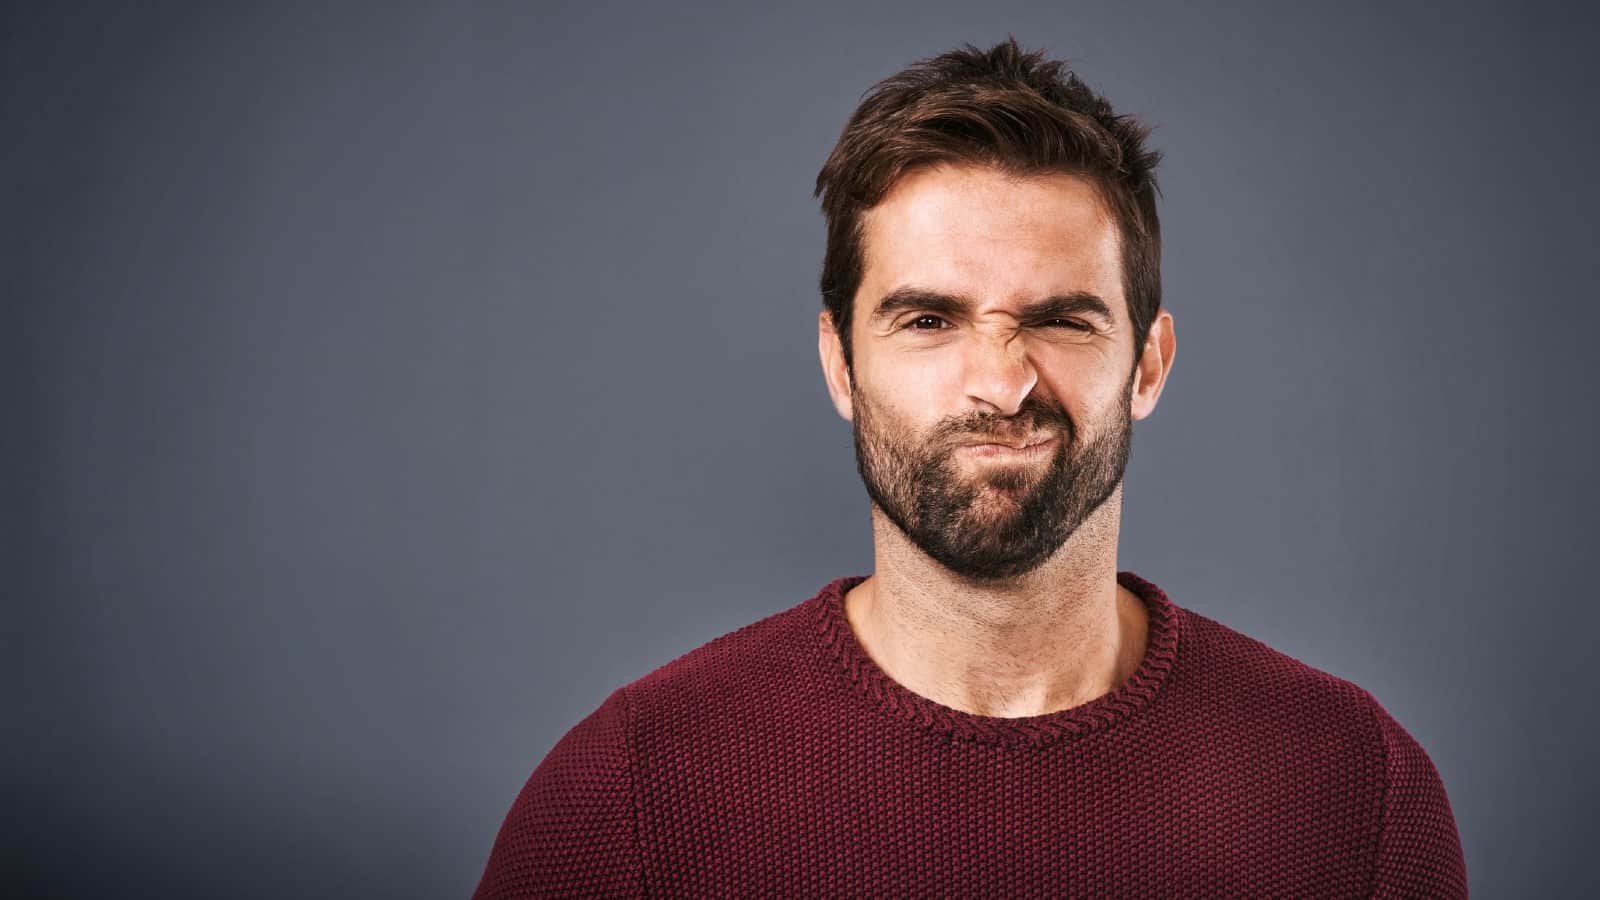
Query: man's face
x=990, y=318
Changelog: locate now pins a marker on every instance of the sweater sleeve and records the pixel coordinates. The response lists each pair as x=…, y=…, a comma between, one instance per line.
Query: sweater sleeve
x=572, y=830
x=1419, y=851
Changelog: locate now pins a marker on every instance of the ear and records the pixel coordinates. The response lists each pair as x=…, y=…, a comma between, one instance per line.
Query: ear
x=1155, y=363
x=834, y=371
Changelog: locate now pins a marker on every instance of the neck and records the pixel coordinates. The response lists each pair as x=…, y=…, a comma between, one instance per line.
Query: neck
x=1053, y=639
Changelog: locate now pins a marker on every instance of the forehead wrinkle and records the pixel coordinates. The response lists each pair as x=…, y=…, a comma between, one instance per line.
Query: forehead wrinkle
x=950, y=220
x=979, y=184
x=964, y=257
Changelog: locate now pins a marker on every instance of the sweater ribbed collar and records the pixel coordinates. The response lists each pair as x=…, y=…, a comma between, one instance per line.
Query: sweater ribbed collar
x=1135, y=693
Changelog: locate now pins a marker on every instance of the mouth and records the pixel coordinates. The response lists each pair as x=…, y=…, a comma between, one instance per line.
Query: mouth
x=1027, y=448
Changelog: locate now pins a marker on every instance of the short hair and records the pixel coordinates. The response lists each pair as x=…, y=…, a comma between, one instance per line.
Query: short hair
x=1001, y=107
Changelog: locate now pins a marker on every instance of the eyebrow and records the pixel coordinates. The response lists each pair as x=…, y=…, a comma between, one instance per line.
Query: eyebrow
x=1060, y=305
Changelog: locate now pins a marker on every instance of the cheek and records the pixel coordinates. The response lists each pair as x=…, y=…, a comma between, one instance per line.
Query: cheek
x=1090, y=399
x=913, y=388
x=894, y=417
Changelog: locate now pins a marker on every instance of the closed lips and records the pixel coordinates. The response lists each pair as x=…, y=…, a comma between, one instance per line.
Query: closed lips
x=1014, y=445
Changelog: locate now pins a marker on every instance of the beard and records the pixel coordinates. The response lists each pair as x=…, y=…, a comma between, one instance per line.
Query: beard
x=1006, y=519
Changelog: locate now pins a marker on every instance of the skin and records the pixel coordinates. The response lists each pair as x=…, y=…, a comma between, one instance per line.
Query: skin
x=1063, y=632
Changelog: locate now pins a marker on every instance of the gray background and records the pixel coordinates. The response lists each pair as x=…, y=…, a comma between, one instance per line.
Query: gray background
x=389, y=383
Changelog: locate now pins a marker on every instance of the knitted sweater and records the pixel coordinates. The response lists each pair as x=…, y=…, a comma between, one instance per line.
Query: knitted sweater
x=779, y=760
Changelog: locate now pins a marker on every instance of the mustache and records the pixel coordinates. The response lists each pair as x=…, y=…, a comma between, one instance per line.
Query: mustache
x=1036, y=416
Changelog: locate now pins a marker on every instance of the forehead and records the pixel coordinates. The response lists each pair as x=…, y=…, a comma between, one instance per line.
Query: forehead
x=984, y=233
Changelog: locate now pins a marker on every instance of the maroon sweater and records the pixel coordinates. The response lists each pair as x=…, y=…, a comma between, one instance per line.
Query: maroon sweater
x=780, y=760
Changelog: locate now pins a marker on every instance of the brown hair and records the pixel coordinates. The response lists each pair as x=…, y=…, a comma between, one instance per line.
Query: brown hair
x=1000, y=107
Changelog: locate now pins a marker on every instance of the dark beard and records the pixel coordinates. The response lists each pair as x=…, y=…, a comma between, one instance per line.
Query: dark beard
x=1007, y=521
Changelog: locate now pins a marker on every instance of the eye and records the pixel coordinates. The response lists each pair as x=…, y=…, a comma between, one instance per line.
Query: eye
x=925, y=323
x=1073, y=324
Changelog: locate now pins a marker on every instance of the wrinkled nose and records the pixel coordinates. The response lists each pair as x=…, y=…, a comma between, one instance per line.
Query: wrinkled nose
x=999, y=373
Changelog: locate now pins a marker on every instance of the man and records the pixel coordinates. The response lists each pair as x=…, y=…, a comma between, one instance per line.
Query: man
x=996, y=710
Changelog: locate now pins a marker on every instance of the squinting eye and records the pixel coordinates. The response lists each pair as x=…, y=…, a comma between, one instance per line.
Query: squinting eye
x=1074, y=324
x=919, y=320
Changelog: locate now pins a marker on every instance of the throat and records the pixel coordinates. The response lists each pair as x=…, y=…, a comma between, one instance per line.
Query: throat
x=967, y=654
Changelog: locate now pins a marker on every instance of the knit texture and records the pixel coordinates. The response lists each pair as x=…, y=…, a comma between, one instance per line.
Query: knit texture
x=779, y=760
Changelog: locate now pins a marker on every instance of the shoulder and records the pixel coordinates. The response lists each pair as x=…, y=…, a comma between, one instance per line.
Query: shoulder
x=572, y=829
x=748, y=667
x=1232, y=668
x=1336, y=733
x=1305, y=727
x=1419, y=847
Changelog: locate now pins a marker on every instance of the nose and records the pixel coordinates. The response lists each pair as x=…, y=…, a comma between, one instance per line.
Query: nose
x=999, y=373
